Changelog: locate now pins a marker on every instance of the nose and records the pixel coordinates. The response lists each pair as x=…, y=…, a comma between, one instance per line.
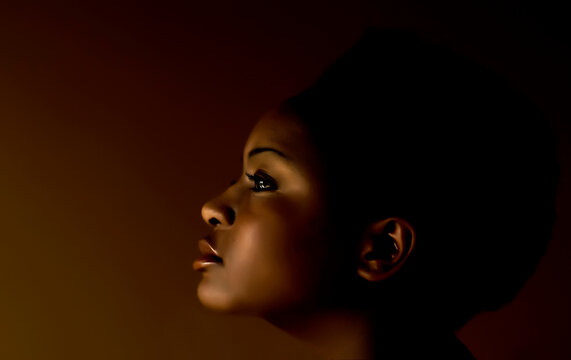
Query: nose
x=217, y=213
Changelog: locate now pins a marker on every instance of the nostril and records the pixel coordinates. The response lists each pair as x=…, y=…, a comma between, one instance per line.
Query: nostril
x=213, y=221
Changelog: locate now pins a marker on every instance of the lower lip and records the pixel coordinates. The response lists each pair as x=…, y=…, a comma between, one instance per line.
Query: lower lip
x=203, y=262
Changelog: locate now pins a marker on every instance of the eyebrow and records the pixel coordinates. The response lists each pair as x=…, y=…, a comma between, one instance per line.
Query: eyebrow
x=264, y=149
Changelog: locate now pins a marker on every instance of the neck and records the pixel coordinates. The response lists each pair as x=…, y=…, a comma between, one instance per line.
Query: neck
x=359, y=335
x=335, y=334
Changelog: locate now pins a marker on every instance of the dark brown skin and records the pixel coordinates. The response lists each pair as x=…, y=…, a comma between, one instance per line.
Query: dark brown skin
x=273, y=245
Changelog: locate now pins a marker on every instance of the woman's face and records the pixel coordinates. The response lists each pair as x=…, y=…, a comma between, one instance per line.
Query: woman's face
x=268, y=227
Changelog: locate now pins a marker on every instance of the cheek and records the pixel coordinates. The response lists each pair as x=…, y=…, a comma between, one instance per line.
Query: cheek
x=273, y=258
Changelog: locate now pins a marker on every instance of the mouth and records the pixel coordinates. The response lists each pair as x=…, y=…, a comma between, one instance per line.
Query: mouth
x=204, y=261
x=209, y=257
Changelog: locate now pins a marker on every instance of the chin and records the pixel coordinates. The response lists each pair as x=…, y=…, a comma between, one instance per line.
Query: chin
x=213, y=300
x=221, y=302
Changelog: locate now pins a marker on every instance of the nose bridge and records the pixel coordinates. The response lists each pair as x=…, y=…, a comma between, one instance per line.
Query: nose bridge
x=220, y=210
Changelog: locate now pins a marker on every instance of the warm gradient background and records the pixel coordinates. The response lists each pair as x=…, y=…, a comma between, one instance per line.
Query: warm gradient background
x=117, y=121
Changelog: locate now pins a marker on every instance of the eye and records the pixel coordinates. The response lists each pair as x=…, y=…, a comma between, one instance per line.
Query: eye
x=262, y=182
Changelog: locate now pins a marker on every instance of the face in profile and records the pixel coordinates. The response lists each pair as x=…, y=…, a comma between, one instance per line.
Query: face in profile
x=268, y=227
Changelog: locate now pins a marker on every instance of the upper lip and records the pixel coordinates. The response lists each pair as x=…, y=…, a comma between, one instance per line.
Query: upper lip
x=206, y=247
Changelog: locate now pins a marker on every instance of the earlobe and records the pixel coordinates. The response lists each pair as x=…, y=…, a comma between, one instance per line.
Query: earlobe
x=385, y=247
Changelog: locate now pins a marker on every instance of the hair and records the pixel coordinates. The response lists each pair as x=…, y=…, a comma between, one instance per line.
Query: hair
x=408, y=128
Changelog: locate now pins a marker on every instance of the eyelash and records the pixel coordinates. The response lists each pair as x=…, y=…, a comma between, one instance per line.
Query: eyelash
x=256, y=178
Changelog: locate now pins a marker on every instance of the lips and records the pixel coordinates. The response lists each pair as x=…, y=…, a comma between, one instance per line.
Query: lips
x=209, y=256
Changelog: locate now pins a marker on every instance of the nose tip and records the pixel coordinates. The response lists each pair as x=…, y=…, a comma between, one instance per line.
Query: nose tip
x=215, y=213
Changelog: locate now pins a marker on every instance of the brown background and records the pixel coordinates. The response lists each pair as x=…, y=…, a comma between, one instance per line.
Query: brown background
x=117, y=121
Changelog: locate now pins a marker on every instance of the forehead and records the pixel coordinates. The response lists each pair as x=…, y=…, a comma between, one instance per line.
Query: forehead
x=282, y=131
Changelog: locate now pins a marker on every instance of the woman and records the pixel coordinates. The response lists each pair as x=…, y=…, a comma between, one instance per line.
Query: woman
x=380, y=209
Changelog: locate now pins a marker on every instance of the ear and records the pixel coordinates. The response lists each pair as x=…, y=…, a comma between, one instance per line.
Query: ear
x=385, y=247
